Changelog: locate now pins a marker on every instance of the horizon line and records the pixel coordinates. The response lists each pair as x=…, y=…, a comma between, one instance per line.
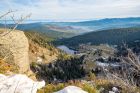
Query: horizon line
x=80, y=20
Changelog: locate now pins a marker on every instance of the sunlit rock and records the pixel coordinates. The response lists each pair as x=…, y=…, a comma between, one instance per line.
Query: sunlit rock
x=71, y=89
x=19, y=84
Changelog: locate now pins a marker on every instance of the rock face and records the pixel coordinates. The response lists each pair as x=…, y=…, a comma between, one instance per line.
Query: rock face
x=71, y=89
x=14, y=47
x=19, y=84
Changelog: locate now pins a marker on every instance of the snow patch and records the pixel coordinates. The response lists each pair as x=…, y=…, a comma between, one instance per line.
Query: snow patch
x=107, y=64
x=19, y=84
x=39, y=60
x=71, y=89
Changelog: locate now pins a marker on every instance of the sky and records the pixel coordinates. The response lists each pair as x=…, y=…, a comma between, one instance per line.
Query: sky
x=72, y=10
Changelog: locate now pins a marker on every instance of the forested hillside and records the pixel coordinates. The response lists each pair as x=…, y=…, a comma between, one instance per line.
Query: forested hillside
x=112, y=36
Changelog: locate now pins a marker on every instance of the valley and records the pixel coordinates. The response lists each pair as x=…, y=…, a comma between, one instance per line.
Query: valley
x=69, y=46
x=96, y=56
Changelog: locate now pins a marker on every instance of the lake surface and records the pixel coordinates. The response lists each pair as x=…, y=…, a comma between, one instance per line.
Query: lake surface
x=66, y=49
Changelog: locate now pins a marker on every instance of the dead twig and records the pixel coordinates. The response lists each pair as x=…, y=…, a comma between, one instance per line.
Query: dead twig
x=10, y=11
x=16, y=24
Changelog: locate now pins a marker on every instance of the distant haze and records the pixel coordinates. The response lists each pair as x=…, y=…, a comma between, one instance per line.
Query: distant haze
x=72, y=10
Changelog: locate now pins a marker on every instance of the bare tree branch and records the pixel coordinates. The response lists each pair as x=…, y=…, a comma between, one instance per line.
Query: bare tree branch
x=16, y=23
x=12, y=17
x=10, y=11
x=130, y=71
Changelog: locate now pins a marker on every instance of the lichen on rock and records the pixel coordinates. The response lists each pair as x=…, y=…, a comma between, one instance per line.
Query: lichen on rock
x=14, y=48
x=19, y=83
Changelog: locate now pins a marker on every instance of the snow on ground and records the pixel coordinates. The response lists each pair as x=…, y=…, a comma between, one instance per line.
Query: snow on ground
x=71, y=89
x=107, y=64
x=19, y=84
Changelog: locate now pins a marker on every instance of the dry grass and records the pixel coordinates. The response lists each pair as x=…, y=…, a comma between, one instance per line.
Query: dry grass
x=6, y=67
x=50, y=88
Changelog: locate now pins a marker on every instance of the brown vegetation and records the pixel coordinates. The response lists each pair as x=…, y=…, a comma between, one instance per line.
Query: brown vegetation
x=7, y=67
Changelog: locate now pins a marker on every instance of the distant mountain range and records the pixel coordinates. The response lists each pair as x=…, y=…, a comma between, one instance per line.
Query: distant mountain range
x=49, y=30
x=108, y=23
x=70, y=29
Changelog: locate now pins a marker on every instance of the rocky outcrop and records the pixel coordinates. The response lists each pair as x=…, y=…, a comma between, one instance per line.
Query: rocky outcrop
x=71, y=89
x=19, y=84
x=14, y=48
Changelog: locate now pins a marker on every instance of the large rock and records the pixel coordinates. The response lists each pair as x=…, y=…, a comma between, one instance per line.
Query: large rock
x=71, y=89
x=14, y=48
x=19, y=84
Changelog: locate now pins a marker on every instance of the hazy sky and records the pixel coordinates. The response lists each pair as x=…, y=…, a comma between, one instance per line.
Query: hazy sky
x=73, y=10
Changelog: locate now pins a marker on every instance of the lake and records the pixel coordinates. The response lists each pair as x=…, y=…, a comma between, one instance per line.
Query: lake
x=66, y=49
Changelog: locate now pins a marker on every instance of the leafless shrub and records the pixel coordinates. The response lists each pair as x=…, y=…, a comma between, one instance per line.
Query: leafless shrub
x=128, y=75
x=16, y=22
x=10, y=11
